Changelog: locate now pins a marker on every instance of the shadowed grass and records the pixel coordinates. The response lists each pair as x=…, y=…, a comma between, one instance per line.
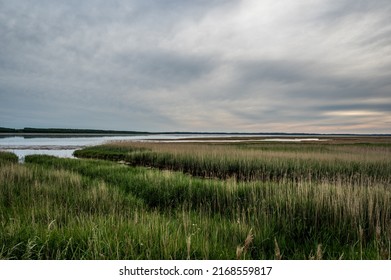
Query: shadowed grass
x=7, y=157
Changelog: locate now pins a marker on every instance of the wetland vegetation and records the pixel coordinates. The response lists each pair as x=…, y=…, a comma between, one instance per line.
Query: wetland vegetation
x=247, y=200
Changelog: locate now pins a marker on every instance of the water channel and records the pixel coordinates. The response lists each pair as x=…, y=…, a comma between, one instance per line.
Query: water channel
x=64, y=146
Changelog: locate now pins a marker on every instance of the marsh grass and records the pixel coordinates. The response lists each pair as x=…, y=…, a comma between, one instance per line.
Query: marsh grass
x=7, y=157
x=55, y=208
x=268, y=162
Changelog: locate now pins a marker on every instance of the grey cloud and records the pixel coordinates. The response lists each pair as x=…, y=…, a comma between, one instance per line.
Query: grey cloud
x=135, y=65
x=380, y=38
x=281, y=71
x=377, y=107
x=162, y=68
x=301, y=79
x=346, y=8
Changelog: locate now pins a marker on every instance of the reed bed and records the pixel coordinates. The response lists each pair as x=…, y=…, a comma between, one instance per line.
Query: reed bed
x=54, y=208
x=7, y=157
x=270, y=162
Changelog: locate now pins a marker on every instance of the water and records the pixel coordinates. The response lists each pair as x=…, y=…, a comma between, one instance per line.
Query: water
x=65, y=146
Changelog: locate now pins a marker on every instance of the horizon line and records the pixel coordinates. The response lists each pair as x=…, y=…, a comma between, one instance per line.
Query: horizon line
x=53, y=130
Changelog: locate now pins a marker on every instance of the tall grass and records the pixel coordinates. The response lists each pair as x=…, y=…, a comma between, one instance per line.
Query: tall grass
x=58, y=214
x=55, y=208
x=279, y=162
x=7, y=157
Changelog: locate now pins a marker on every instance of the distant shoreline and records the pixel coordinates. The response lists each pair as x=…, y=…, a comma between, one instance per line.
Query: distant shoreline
x=36, y=132
x=49, y=134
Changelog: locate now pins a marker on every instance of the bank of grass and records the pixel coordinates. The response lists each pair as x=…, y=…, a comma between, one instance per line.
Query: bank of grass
x=310, y=162
x=53, y=208
x=7, y=157
x=57, y=213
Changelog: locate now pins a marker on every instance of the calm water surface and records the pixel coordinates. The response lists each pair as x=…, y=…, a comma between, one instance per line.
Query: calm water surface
x=65, y=146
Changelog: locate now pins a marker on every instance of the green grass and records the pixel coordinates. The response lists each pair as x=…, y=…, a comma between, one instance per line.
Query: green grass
x=278, y=162
x=107, y=152
x=7, y=157
x=53, y=208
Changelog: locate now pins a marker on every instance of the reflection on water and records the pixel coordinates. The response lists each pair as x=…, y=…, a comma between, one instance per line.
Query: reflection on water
x=65, y=146
x=58, y=153
x=59, y=146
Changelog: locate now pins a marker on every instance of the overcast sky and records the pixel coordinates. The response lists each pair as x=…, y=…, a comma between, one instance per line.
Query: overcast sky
x=202, y=65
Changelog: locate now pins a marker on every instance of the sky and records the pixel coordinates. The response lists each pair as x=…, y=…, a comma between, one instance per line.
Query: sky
x=313, y=66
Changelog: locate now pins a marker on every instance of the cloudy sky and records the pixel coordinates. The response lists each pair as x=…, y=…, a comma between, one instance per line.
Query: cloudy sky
x=202, y=65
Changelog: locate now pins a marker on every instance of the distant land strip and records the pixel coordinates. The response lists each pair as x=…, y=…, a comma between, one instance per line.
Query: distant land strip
x=31, y=130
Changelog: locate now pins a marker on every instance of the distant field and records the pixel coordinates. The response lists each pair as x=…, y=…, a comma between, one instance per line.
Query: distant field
x=248, y=200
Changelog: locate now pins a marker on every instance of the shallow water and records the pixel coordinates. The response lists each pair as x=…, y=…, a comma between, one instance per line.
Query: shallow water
x=59, y=146
x=238, y=140
x=65, y=146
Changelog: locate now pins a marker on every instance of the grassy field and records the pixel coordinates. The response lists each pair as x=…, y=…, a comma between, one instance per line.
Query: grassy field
x=253, y=200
